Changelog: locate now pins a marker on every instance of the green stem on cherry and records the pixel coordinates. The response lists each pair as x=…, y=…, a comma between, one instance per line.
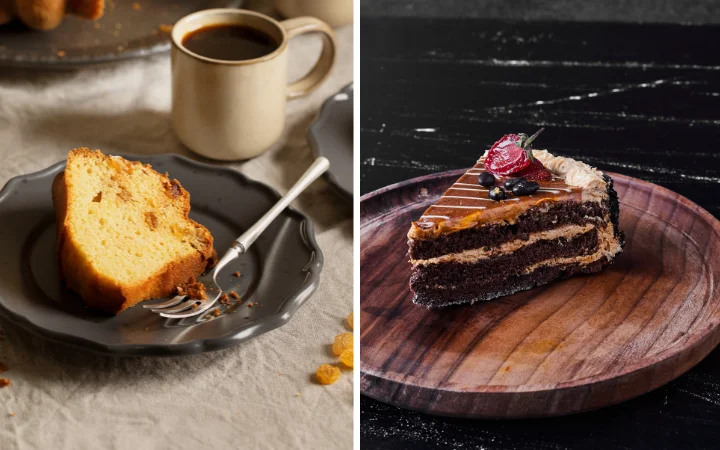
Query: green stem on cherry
x=526, y=141
x=529, y=140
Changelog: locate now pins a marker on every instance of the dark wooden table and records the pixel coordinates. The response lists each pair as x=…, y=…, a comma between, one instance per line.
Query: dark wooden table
x=643, y=100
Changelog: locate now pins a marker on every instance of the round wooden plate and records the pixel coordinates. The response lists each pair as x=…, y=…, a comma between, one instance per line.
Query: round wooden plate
x=570, y=346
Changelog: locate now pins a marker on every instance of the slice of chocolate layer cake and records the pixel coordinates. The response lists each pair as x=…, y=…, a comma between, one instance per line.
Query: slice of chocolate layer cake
x=519, y=218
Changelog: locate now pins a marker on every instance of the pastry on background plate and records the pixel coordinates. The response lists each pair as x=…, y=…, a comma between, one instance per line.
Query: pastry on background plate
x=7, y=11
x=519, y=218
x=46, y=15
x=123, y=231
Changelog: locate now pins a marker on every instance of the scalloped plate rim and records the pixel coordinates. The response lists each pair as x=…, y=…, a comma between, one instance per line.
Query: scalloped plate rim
x=258, y=327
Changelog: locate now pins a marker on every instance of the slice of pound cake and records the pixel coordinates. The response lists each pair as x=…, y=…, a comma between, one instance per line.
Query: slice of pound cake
x=123, y=231
x=519, y=218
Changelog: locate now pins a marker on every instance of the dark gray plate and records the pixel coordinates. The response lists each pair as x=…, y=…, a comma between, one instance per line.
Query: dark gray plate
x=331, y=136
x=121, y=33
x=280, y=272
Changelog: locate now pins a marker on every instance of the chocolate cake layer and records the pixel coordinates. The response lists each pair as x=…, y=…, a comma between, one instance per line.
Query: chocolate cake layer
x=614, y=203
x=535, y=219
x=502, y=267
x=493, y=288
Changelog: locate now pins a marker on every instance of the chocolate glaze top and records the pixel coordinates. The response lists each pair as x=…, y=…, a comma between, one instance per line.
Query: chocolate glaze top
x=466, y=204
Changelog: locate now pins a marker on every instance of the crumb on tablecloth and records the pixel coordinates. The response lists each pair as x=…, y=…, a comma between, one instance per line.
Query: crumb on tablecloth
x=136, y=6
x=327, y=374
x=165, y=28
x=4, y=382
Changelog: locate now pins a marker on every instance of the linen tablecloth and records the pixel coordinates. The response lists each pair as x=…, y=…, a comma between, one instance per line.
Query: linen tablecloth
x=259, y=394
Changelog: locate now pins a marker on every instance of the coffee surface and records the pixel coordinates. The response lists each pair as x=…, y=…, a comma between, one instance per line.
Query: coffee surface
x=229, y=42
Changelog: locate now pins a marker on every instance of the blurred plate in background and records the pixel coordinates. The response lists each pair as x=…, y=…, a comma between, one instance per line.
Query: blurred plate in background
x=125, y=31
x=331, y=136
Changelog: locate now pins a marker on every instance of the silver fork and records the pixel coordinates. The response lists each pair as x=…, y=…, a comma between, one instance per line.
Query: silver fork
x=176, y=308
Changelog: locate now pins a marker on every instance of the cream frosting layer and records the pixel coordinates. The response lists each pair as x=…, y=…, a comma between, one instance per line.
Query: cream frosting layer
x=477, y=254
x=575, y=173
x=608, y=247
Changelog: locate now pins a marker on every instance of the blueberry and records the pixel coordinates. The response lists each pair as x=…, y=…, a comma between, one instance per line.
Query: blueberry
x=497, y=193
x=486, y=179
x=525, y=188
x=509, y=184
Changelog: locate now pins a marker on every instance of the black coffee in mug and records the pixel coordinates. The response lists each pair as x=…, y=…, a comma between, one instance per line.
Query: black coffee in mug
x=229, y=42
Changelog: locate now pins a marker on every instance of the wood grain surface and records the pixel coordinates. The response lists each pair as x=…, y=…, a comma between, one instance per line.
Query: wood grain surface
x=571, y=346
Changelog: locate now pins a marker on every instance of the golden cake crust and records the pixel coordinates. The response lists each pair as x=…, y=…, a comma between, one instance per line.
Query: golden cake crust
x=41, y=15
x=97, y=290
x=87, y=9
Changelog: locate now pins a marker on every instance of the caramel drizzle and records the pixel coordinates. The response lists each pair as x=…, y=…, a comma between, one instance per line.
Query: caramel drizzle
x=458, y=206
x=468, y=189
x=514, y=199
x=471, y=198
x=461, y=185
x=429, y=216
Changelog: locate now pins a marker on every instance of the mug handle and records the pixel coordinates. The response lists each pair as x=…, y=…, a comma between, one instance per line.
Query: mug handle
x=302, y=25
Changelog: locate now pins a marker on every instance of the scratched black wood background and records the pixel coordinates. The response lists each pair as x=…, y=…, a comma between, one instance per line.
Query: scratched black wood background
x=643, y=100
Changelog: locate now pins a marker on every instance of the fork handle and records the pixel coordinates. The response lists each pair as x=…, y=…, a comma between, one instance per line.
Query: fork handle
x=244, y=242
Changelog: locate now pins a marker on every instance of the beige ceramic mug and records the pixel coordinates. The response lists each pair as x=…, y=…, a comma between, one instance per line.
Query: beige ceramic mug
x=232, y=110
